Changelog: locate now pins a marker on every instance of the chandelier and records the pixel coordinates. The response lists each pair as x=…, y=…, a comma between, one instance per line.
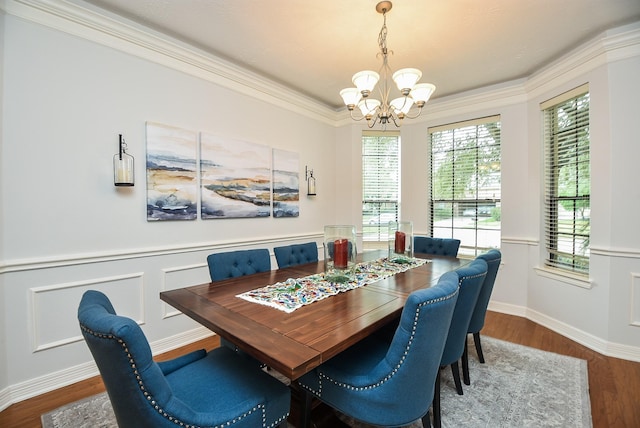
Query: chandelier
x=385, y=111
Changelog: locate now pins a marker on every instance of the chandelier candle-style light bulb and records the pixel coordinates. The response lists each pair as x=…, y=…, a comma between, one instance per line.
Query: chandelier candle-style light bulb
x=386, y=110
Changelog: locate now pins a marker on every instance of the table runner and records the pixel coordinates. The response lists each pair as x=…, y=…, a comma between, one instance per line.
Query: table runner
x=294, y=293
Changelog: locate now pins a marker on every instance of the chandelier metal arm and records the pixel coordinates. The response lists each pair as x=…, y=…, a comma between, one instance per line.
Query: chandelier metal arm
x=416, y=115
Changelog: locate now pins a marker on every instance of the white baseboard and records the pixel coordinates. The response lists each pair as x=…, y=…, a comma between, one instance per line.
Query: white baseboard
x=597, y=344
x=50, y=382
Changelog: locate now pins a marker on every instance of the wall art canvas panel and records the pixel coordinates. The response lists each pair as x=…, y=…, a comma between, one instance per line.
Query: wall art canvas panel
x=235, y=178
x=172, y=186
x=286, y=184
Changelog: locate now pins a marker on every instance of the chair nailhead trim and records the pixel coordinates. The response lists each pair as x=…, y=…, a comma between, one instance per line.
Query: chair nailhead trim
x=159, y=409
x=322, y=376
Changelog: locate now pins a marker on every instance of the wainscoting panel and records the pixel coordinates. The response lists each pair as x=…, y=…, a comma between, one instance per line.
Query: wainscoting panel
x=635, y=299
x=54, y=307
x=180, y=277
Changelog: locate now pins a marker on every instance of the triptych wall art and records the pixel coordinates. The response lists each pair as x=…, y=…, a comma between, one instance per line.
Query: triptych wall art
x=233, y=179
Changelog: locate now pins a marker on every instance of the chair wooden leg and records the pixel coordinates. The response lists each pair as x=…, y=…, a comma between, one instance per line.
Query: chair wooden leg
x=465, y=364
x=426, y=421
x=455, y=370
x=305, y=412
x=437, y=423
x=476, y=340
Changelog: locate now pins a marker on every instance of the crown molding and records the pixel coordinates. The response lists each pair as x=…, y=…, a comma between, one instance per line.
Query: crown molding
x=94, y=24
x=612, y=45
x=99, y=26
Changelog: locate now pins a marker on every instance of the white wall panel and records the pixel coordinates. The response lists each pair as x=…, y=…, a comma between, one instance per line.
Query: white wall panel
x=179, y=277
x=635, y=299
x=54, y=307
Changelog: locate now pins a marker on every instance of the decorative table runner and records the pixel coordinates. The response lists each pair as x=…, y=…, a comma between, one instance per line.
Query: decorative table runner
x=292, y=294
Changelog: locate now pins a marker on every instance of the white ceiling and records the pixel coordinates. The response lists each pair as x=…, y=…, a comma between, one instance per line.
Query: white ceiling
x=315, y=47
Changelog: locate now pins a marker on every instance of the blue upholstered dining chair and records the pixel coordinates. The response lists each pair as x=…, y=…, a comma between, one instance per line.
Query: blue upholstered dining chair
x=198, y=389
x=296, y=254
x=238, y=263
x=471, y=278
x=389, y=383
x=493, y=258
x=233, y=264
x=437, y=246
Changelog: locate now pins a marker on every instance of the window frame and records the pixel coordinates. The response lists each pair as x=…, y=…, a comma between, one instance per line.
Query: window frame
x=564, y=150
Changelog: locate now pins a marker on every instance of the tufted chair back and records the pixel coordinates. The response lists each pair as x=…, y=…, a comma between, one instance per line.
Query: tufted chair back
x=390, y=383
x=438, y=246
x=296, y=254
x=493, y=258
x=471, y=279
x=197, y=389
x=238, y=263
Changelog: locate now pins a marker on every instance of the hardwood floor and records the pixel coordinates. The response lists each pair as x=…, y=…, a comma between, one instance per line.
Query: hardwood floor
x=614, y=384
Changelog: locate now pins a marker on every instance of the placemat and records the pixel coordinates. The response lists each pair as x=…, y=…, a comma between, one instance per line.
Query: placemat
x=294, y=293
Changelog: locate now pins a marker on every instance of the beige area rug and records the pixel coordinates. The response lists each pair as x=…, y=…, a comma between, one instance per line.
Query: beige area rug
x=517, y=387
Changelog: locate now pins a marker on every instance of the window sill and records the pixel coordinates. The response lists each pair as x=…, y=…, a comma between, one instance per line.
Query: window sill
x=568, y=278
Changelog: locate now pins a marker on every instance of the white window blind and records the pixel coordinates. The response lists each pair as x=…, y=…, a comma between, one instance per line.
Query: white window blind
x=380, y=183
x=466, y=183
x=567, y=181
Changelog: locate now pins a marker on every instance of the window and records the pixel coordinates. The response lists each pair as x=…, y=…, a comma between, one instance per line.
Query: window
x=567, y=185
x=380, y=183
x=465, y=184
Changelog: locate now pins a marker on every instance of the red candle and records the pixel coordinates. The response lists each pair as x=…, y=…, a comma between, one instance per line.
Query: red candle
x=340, y=253
x=400, y=242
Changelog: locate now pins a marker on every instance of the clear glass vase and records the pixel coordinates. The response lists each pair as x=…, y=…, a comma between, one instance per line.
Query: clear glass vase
x=339, y=253
x=400, y=241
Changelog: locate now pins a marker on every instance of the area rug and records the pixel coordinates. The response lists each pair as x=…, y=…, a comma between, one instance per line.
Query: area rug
x=517, y=387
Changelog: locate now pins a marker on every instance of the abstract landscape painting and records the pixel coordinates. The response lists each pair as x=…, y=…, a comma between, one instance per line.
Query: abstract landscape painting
x=235, y=178
x=172, y=190
x=286, y=184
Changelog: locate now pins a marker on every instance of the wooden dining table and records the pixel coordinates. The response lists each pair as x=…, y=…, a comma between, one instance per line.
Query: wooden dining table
x=295, y=343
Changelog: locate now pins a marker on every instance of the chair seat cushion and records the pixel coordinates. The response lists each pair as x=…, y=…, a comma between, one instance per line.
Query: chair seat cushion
x=227, y=385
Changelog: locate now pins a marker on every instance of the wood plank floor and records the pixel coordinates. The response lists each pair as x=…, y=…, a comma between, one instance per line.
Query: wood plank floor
x=614, y=384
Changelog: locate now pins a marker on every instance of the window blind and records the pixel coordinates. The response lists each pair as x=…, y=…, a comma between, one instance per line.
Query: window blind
x=380, y=183
x=567, y=184
x=465, y=187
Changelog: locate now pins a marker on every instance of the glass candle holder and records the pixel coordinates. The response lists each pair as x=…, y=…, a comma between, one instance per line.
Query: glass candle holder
x=339, y=253
x=400, y=241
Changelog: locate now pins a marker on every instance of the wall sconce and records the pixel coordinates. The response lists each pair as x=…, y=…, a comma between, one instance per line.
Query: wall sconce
x=311, y=181
x=123, y=166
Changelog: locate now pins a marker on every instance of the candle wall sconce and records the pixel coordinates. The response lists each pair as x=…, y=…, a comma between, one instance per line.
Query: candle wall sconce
x=123, y=174
x=311, y=181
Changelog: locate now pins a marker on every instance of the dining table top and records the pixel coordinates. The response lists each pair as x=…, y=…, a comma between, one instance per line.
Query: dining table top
x=295, y=343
